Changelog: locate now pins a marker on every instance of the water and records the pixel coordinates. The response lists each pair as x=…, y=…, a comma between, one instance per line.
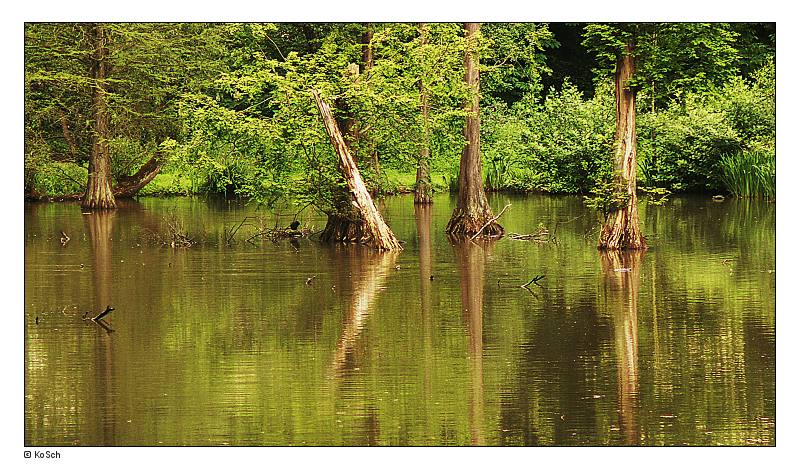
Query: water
x=233, y=345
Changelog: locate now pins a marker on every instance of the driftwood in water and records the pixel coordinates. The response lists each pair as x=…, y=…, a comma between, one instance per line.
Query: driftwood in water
x=366, y=225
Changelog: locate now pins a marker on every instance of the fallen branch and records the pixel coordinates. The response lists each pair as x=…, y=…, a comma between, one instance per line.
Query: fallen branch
x=492, y=220
x=105, y=312
x=533, y=281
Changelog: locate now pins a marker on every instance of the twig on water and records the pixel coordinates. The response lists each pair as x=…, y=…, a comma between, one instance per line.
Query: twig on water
x=492, y=220
x=533, y=281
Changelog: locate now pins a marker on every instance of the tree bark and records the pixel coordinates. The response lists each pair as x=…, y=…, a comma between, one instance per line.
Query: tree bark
x=472, y=211
x=98, y=186
x=422, y=189
x=368, y=60
x=621, y=229
x=128, y=186
x=364, y=224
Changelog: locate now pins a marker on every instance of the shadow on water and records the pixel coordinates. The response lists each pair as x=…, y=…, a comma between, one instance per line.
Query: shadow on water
x=621, y=275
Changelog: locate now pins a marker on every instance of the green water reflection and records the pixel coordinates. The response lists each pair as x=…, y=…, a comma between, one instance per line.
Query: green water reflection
x=437, y=345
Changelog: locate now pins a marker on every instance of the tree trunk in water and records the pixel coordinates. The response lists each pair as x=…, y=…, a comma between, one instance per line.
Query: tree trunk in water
x=621, y=229
x=472, y=211
x=422, y=188
x=364, y=224
x=98, y=187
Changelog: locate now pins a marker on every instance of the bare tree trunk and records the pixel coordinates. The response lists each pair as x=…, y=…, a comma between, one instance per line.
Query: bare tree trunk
x=68, y=136
x=621, y=230
x=368, y=60
x=364, y=224
x=422, y=188
x=98, y=187
x=472, y=211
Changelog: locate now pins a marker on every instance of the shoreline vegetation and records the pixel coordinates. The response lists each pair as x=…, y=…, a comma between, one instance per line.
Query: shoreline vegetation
x=603, y=110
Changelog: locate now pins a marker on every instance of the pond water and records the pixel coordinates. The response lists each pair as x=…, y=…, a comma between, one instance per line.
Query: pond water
x=436, y=345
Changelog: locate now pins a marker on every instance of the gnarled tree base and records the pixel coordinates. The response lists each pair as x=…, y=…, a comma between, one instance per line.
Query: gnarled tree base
x=348, y=229
x=471, y=222
x=423, y=196
x=621, y=231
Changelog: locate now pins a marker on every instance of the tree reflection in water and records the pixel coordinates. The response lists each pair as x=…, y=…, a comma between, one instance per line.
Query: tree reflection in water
x=621, y=275
x=99, y=226
x=471, y=257
x=369, y=271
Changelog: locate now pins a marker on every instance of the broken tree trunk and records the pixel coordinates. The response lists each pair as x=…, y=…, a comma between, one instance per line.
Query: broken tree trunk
x=126, y=187
x=98, y=186
x=422, y=188
x=472, y=211
x=364, y=224
x=621, y=229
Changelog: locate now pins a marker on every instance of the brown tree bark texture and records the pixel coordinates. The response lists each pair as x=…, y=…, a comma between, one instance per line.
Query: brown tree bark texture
x=374, y=231
x=422, y=188
x=472, y=211
x=98, y=186
x=621, y=229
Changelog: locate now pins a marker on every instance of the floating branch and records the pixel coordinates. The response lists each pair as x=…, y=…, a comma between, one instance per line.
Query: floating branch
x=533, y=281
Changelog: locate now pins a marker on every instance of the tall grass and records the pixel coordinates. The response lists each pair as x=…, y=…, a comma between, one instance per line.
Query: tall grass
x=749, y=173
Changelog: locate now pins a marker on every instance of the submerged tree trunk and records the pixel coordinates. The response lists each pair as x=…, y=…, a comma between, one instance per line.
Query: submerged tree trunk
x=621, y=229
x=362, y=222
x=472, y=211
x=422, y=188
x=98, y=187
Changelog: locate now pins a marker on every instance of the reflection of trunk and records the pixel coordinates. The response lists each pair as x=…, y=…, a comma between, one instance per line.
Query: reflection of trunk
x=366, y=285
x=472, y=211
x=99, y=227
x=621, y=270
x=361, y=222
x=621, y=230
x=98, y=186
x=423, y=217
x=470, y=264
x=422, y=188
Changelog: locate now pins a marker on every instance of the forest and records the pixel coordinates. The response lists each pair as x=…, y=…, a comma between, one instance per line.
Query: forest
x=400, y=234
x=614, y=112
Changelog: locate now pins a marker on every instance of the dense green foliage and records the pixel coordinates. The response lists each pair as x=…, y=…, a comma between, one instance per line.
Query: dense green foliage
x=229, y=105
